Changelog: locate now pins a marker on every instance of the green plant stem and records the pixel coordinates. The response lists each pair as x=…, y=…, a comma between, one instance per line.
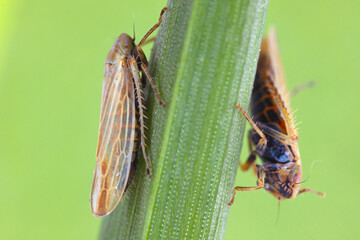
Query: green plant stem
x=203, y=62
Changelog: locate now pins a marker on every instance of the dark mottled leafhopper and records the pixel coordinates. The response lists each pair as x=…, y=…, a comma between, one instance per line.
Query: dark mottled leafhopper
x=274, y=136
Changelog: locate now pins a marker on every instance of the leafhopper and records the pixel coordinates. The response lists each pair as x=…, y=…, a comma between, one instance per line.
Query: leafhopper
x=273, y=136
x=121, y=122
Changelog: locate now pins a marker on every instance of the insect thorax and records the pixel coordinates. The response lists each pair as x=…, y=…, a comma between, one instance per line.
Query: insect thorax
x=274, y=151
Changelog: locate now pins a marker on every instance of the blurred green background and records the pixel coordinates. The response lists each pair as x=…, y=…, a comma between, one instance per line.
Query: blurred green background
x=51, y=67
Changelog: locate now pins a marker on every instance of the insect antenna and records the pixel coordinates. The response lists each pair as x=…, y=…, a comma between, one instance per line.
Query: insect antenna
x=307, y=178
x=278, y=213
x=134, y=30
x=311, y=167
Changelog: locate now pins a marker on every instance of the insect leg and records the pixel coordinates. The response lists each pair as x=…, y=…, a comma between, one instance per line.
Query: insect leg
x=260, y=182
x=144, y=69
x=310, y=190
x=251, y=159
x=153, y=28
x=249, y=162
x=263, y=141
x=140, y=98
x=149, y=40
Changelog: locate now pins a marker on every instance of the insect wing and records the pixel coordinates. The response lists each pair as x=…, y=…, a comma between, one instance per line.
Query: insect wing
x=116, y=139
x=270, y=47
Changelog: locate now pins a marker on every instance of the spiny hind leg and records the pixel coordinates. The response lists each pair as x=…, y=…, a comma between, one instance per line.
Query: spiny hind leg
x=140, y=99
x=310, y=190
x=260, y=182
x=263, y=141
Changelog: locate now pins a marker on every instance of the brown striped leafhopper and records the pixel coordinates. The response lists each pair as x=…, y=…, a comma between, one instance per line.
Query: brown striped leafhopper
x=121, y=122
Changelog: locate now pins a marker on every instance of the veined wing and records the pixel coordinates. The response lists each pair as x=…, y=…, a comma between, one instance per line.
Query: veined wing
x=270, y=47
x=116, y=139
x=274, y=54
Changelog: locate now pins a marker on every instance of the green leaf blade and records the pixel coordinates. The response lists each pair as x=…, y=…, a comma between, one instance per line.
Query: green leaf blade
x=203, y=62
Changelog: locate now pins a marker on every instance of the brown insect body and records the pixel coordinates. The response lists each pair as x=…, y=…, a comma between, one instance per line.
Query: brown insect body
x=121, y=123
x=274, y=134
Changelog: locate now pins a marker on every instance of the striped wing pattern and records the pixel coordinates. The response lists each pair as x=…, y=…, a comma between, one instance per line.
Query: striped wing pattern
x=270, y=47
x=116, y=138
